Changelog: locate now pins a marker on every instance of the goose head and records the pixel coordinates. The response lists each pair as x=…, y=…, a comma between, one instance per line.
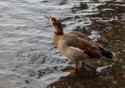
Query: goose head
x=58, y=29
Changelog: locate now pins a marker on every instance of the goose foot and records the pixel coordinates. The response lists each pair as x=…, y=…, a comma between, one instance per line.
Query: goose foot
x=77, y=68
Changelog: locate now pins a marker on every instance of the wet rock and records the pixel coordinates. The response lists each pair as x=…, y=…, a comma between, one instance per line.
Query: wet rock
x=27, y=81
x=66, y=18
x=111, y=10
x=83, y=30
x=113, y=5
x=44, y=1
x=83, y=6
x=106, y=14
x=63, y=2
x=80, y=7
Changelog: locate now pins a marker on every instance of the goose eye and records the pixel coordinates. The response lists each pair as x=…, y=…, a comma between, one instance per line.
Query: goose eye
x=53, y=19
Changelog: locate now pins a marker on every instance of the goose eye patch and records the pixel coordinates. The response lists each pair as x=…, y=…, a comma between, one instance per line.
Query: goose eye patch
x=53, y=19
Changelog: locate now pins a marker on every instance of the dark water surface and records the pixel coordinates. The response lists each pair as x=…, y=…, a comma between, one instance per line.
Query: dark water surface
x=28, y=58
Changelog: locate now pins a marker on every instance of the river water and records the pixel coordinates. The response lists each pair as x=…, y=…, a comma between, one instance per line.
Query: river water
x=28, y=58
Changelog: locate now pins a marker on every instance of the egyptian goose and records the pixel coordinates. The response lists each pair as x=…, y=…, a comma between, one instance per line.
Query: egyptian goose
x=75, y=45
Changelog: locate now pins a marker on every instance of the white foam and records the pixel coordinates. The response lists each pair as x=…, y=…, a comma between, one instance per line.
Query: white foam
x=94, y=35
x=99, y=69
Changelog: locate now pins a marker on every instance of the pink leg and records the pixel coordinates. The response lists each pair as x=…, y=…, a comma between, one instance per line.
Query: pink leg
x=79, y=66
x=76, y=68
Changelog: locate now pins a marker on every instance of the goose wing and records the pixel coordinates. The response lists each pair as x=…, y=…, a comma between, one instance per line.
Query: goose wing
x=83, y=43
x=83, y=36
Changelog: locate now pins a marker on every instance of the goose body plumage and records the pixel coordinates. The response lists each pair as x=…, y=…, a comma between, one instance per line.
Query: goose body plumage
x=76, y=45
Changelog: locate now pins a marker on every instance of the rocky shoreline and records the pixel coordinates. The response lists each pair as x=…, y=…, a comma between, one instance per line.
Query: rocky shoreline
x=112, y=36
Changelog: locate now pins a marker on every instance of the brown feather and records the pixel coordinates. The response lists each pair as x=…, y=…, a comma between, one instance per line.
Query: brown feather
x=90, y=49
x=83, y=36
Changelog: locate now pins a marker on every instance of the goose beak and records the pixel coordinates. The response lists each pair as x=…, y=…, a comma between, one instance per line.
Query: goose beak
x=47, y=17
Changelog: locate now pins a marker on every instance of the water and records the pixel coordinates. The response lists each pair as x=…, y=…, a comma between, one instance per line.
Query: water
x=28, y=59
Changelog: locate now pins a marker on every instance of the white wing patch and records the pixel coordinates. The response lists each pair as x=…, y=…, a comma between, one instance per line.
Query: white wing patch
x=77, y=49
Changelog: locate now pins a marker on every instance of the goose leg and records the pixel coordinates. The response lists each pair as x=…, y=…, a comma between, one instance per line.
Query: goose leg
x=77, y=68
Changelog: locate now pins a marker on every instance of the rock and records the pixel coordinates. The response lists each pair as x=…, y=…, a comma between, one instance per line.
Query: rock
x=80, y=7
x=83, y=6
